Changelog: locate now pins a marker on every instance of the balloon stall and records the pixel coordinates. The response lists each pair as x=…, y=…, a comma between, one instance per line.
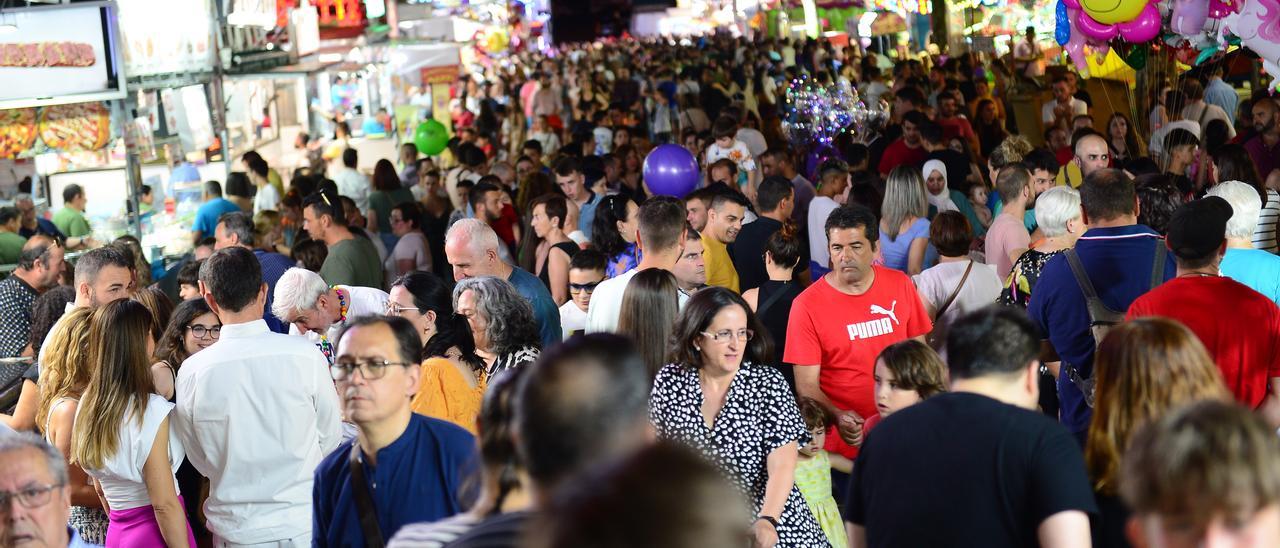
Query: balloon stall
x=1204, y=28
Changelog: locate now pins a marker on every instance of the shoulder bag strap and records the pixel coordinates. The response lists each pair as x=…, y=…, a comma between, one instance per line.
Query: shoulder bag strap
x=1157, y=269
x=956, y=292
x=1082, y=278
x=364, y=500
x=773, y=299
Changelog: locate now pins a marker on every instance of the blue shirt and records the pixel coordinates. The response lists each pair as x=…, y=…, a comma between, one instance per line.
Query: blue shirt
x=417, y=478
x=273, y=266
x=1258, y=269
x=1118, y=261
x=43, y=226
x=544, y=308
x=897, y=251
x=587, y=214
x=1222, y=94
x=207, y=216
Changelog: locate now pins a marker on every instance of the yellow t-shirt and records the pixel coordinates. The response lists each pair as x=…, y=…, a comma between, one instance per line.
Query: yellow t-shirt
x=1071, y=174
x=443, y=393
x=720, y=270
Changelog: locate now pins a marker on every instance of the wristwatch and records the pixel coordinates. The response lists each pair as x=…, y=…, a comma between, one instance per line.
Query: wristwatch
x=772, y=521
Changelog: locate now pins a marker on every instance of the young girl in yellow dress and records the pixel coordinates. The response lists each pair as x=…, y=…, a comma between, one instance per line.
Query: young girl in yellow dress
x=813, y=473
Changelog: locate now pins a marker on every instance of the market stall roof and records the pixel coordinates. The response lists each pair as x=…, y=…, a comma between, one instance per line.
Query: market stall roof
x=288, y=71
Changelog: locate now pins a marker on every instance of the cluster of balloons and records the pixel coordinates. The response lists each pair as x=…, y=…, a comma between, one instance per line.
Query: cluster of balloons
x=813, y=115
x=1205, y=25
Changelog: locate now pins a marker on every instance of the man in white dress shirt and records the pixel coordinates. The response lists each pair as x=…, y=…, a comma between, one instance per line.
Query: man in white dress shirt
x=257, y=411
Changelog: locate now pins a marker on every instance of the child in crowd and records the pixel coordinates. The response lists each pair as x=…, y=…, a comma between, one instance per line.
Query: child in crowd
x=586, y=271
x=813, y=473
x=978, y=199
x=1181, y=145
x=189, y=280
x=906, y=373
x=727, y=146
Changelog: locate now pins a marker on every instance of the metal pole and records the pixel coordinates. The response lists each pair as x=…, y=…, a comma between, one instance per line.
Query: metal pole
x=133, y=163
x=216, y=94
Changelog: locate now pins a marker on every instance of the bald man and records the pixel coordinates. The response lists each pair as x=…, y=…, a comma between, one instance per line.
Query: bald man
x=1264, y=147
x=1091, y=154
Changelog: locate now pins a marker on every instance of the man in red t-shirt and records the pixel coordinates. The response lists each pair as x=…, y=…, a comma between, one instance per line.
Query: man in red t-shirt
x=839, y=325
x=953, y=125
x=908, y=149
x=1239, y=326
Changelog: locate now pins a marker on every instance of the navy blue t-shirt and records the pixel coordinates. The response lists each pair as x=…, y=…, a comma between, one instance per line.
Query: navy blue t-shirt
x=273, y=266
x=1119, y=264
x=416, y=479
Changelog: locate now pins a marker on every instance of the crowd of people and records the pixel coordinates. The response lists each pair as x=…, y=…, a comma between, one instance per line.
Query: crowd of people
x=944, y=336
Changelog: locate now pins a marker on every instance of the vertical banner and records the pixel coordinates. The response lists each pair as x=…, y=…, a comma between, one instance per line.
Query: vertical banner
x=440, y=104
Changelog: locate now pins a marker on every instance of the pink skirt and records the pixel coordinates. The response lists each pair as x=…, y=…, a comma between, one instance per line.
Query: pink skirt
x=137, y=528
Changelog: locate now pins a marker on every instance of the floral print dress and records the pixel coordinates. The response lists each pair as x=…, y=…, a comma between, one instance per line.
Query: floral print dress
x=759, y=415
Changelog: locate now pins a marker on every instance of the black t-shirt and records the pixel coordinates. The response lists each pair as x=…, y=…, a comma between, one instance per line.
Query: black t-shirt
x=957, y=168
x=747, y=252
x=961, y=469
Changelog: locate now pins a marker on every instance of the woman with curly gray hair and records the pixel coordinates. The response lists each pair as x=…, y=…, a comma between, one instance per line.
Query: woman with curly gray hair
x=501, y=322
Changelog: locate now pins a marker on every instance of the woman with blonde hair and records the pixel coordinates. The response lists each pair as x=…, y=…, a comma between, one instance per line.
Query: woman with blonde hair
x=122, y=434
x=1143, y=369
x=64, y=375
x=904, y=226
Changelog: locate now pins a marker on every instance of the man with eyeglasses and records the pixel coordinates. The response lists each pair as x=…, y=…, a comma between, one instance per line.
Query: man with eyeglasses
x=34, y=499
x=402, y=467
x=319, y=311
x=256, y=411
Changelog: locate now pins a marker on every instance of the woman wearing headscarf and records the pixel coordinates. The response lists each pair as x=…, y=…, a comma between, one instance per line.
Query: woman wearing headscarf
x=942, y=198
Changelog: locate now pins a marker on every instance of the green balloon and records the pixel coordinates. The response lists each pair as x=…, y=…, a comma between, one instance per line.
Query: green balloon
x=431, y=137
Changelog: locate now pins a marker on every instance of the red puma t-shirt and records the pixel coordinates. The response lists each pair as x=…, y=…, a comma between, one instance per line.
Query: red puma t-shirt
x=845, y=333
x=1239, y=326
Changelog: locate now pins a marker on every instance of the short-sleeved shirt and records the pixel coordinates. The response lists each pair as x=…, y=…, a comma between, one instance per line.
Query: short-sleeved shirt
x=16, y=298
x=11, y=247
x=1239, y=326
x=353, y=261
x=935, y=284
x=1255, y=268
x=819, y=209
x=844, y=333
x=411, y=246
x=544, y=308
x=1006, y=234
x=759, y=415
x=72, y=223
x=897, y=251
x=962, y=469
x=1078, y=108
x=720, y=269
x=383, y=201
x=587, y=213
x=1118, y=261
x=1265, y=158
x=899, y=154
x=206, y=216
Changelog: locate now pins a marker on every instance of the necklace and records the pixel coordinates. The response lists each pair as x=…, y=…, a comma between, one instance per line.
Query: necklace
x=1199, y=274
x=326, y=347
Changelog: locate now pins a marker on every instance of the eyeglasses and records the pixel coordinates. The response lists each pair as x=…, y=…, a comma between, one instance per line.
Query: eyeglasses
x=394, y=309
x=577, y=288
x=725, y=335
x=32, y=497
x=200, y=331
x=369, y=369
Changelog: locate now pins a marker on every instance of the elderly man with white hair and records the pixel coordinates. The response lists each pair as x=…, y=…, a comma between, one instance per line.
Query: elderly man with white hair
x=472, y=249
x=310, y=306
x=1256, y=268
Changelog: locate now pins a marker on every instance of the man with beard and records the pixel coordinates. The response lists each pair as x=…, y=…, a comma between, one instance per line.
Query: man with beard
x=1008, y=237
x=841, y=322
x=1264, y=147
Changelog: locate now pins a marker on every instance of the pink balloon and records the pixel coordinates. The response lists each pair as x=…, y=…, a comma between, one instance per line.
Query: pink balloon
x=1188, y=16
x=1222, y=8
x=1101, y=32
x=1144, y=27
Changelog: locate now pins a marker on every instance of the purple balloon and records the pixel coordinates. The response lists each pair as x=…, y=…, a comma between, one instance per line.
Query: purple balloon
x=815, y=159
x=671, y=170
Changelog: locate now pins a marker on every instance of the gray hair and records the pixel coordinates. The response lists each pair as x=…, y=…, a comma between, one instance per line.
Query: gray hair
x=478, y=234
x=1246, y=206
x=511, y=324
x=904, y=196
x=298, y=289
x=1055, y=207
x=502, y=170
x=240, y=224
x=16, y=441
x=92, y=263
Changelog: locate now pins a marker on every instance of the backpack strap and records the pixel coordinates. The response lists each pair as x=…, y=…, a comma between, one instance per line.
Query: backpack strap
x=1157, y=268
x=1082, y=278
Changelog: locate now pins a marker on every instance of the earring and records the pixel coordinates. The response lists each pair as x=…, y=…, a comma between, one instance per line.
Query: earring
x=697, y=348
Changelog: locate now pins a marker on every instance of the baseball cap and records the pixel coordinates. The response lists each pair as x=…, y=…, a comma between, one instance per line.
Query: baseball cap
x=1198, y=228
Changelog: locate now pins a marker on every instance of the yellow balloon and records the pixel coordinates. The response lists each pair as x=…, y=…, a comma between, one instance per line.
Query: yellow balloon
x=1113, y=11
